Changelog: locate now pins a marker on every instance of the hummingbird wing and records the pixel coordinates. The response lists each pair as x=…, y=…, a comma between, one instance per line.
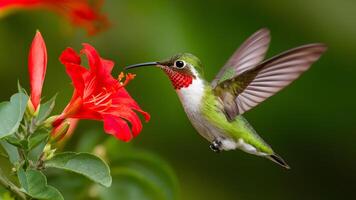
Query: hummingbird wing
x=247, y=90
x=247, y=56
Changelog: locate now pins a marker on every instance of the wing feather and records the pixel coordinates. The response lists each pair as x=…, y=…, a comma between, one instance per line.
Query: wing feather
x=249, y=55
x=264, y=80
x=278, y=72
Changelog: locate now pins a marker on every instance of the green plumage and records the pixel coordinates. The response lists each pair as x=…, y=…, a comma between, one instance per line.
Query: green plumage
x=245, y=81
x=236, y=129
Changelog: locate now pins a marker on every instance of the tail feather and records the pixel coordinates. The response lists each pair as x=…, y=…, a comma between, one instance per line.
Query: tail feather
x=279, y=160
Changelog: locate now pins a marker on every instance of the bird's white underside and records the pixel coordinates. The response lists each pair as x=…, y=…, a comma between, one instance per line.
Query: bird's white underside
x=191, y=98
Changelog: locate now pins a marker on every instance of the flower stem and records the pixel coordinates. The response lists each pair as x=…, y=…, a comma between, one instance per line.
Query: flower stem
x=3, y=155
x=11, y=187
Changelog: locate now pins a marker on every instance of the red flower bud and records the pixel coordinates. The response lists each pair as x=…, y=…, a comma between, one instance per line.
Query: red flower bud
x=37, y=63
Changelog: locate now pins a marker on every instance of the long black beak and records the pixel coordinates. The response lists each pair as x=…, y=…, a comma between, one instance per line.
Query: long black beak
x=142, y=65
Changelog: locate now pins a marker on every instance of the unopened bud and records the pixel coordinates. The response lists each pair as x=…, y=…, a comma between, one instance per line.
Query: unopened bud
x=48, y=123
x=59, y=132
x=30, y=109
x=48, y=152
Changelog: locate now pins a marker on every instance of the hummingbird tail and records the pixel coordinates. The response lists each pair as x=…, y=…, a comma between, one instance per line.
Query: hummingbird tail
x=279, y=160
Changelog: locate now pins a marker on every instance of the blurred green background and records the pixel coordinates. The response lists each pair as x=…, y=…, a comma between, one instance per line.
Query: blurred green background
x=312, y=124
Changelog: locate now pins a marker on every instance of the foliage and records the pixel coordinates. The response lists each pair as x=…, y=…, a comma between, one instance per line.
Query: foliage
x=22, y=133
x=11, y=114
x=30, y=135
x=27, y=144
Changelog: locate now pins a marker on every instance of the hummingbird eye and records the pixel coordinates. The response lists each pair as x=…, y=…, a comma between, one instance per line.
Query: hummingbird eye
x=180, y=64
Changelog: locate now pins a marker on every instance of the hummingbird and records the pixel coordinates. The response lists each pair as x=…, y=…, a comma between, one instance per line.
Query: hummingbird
x=215, y=109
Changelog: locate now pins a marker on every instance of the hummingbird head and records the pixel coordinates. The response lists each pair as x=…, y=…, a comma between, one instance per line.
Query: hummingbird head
x=181, y=69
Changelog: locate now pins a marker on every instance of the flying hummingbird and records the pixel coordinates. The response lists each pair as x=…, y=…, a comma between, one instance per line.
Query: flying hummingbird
x=215, y=109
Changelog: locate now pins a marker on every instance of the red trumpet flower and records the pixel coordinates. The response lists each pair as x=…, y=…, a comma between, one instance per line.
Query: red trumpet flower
x=99, y=96
x=83, y=13
x=37, y=64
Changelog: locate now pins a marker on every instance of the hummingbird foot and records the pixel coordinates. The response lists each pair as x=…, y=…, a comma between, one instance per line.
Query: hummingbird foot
x=216, y=146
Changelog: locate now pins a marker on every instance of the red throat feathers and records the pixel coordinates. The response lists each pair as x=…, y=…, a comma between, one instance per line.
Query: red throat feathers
x=179, y=80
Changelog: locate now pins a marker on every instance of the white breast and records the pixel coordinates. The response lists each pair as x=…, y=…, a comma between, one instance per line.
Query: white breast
x=191, y=98
x=192, y=95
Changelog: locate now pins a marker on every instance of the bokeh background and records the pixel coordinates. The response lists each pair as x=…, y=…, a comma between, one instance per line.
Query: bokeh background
x=312, y=123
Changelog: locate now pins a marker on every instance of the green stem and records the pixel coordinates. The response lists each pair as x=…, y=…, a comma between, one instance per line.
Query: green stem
x=4, y=155
x=11, y=187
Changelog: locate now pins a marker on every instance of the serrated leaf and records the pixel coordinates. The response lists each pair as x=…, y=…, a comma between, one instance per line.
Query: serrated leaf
x=34, y=183
x=11, y=114
x=46, y=109
x=85, y=164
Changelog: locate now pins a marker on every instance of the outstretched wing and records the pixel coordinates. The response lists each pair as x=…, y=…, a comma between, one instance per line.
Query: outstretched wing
x=250, y=54
x=247, y=90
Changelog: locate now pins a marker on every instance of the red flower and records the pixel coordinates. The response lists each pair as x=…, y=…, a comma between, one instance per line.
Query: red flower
x=37, y=63
x=83, y=13
x=99, y=96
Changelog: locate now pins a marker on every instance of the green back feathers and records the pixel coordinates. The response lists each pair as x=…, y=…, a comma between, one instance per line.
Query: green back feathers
x=236, y=129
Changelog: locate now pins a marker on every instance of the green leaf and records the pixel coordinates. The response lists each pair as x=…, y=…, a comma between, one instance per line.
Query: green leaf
x=87, y=143
x=6, y=196
x=36, y=152
x=13, y=140
x=36, y=143
x=20, y=88
x=34, y=183
x=37, y=137
x=11, y=114
x=138, y=175
x=11, y=152
x=130, y=184
x=154, y=170
x=85, y=164
x=46, y=109
x=71, y=187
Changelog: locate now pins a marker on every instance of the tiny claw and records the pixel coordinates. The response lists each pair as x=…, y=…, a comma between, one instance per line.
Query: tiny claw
x=215, y=146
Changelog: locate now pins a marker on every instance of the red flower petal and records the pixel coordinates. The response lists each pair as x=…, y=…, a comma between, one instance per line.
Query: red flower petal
x=130, y=116
x=37, y=63
x=118, y=127
x=93, y=57
x=83, y=13
x=71, y=60
x=124, y=98
x=99, y=96
x=70, y=56
x=77, y=74
x=146, y=115
x=101, y=68
x=108, y=65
